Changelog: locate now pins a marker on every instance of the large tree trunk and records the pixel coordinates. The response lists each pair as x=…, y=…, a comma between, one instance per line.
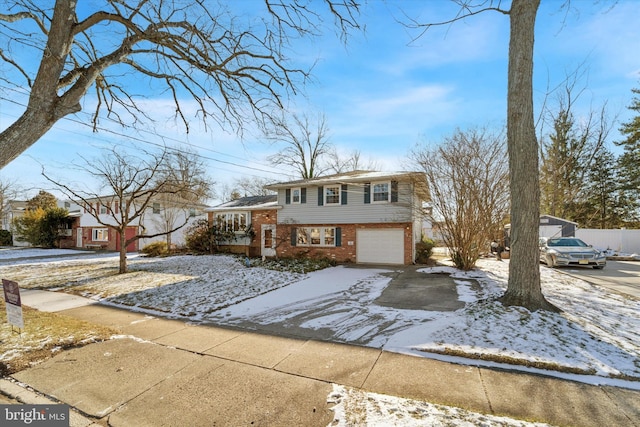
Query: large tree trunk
x=123, y=251
x=45, y=107
x=524, y=267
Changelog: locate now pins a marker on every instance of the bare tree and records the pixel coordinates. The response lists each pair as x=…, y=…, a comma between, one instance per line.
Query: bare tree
x=524, y=271
x=468, y=180
x=253, y=186
x=305, y=143
x=131, y=183
x=9, y=190
x=338, y=163
x=569, y=152
x=187, y=186
x=195, y=51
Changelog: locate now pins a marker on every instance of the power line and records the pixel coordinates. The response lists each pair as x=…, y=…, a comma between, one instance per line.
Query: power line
x=162, y=137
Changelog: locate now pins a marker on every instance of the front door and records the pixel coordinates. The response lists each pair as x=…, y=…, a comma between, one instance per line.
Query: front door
x=268, y=239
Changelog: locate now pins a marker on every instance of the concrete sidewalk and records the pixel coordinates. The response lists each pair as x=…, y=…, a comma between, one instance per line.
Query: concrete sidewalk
x=167, y=372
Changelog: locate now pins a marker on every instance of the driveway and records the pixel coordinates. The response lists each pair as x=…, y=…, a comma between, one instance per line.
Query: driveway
x=619, y=276
x=388, y=300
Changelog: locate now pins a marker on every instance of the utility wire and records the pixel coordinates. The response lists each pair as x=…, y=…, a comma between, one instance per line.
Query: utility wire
x=162, y=137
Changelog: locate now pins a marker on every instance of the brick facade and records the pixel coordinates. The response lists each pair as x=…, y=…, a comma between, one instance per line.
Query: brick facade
x=346, y=252
x=258, y=219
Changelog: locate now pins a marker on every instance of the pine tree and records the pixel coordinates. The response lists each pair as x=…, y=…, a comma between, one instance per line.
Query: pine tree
x=629, y=162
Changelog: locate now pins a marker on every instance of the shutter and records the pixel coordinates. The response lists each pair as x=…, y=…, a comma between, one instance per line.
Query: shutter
x=287, y=196
x=320, y=196
x=303, y=195
x=394, y=191
x=343, y=196
x=338, y=236
x=367, y=192
x=294, y=236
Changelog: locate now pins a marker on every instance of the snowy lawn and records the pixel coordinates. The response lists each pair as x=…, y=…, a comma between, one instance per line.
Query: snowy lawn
x=355, y=407
x=596, y=336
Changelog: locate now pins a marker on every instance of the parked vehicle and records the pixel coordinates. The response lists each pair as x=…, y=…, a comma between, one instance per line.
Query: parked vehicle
x=564, y=251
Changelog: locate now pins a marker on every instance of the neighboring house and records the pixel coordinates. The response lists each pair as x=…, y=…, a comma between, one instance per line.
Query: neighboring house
x=255, y=213
x=16, y=208
x=550, y=226
x=360, y=216
x=13, y=209
x=158, y=217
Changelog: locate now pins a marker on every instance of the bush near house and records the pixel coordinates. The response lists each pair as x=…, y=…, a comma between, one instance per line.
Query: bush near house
x=156, y=249
x=6, y=239
x=424, y=250
x=203, y=238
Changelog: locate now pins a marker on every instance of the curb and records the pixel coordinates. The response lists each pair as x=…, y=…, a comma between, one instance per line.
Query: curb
x=23, y=395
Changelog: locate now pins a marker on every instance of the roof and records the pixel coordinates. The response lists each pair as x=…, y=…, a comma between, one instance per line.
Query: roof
x=348, y=177
x=559, y=219
x=248, y=203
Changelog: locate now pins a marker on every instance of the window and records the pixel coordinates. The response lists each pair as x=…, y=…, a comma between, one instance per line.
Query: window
x=303, y=237
x=103, y=209
x=233, y=221
x=380, y=192
x=156, y=208
x=192, y=212
x=100, y=235
x=316, y=236
x=268, y=238
x=332, y=195
x=295, y=195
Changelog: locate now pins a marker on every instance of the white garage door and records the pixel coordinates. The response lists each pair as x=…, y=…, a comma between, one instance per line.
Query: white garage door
x=383, y=246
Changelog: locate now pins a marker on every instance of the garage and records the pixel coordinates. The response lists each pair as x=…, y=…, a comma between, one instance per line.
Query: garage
x=380, y=246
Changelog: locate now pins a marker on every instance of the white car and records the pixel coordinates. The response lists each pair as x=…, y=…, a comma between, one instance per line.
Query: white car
x=563, y=251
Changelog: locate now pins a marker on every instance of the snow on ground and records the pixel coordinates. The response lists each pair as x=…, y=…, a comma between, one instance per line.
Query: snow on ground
x=358, y=408
x=596, y=339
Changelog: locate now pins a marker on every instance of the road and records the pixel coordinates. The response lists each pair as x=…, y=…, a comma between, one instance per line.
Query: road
x=620, y=276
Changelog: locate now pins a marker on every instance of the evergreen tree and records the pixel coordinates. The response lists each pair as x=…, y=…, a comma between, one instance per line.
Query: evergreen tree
x=629, y=163
x=601, y=206
x=43, y=200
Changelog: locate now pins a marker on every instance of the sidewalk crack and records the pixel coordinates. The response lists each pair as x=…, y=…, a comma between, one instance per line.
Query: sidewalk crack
x=484, y=389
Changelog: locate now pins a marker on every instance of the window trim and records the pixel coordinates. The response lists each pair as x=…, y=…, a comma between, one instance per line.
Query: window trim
x=339, y=194
x=373, y=191
x=304, y=237
x=293, y=195
x=96, y=232
x=229, y=219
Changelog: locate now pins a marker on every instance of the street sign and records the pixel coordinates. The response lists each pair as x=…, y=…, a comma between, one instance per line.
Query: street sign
x=13, y=303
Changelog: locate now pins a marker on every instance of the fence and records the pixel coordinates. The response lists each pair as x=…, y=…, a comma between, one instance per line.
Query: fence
x=620, y=240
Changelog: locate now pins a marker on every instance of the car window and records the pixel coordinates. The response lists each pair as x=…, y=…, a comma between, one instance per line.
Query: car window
x=566, y=242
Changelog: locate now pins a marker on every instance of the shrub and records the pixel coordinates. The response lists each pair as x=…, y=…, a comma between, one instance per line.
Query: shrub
x=6, y=239
x=155, y=249
x=424, y=250
x=198, y=237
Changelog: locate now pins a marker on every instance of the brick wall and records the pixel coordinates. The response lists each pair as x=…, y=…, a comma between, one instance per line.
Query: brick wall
x=344, y=253
x=258, y=218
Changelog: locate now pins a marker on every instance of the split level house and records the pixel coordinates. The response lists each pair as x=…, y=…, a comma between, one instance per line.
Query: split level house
x=16, y=208
x=358, y=217
x=83, y=229
x=158, y=217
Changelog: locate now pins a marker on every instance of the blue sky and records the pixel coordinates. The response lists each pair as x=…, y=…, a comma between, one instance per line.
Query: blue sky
x=384, y=92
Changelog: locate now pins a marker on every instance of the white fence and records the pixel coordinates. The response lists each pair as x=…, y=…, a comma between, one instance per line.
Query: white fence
x=621, y=240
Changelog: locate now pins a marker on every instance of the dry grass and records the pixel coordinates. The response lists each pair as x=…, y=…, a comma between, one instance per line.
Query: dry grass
x=511, y=361
x=44, y=334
